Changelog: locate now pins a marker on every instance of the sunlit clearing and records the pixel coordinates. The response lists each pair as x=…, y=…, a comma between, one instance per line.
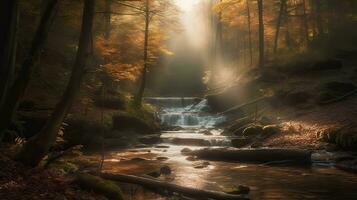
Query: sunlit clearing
x=186, y=5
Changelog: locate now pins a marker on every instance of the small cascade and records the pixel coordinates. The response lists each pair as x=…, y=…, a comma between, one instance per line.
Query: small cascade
x=186, y=112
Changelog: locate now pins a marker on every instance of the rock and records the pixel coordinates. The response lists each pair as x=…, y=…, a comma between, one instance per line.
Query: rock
x=271, y=130
x=191, y=158
x=201, y=165
x=253, y=131
x=162, y=158
x=186, y=151
x=138, y=159
x=93, y=183
x=140, y=146
x=162, y=146
x=190, y=142
x=240, y=142
x=127, y=122
x=165, y=170
x=154, y=174
x=237, y=190
x=150, y=139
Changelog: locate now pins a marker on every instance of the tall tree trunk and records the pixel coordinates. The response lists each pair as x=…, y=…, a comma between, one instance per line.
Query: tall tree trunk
x=37, y=147
x=261, y=33
x=278, y=24
x=318, y=18
x=250, y=33
x=107, y=19
x=8, y=44
x=287, y=32
x=17, y=90
x=306, y=24
x=140, y=94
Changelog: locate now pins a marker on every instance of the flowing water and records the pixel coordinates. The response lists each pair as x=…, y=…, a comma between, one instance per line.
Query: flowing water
x=266, y=182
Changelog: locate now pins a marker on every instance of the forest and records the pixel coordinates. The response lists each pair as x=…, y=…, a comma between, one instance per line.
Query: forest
x=178, y=99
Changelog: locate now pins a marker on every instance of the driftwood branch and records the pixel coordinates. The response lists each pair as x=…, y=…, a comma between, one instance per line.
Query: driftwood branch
x=156, y=184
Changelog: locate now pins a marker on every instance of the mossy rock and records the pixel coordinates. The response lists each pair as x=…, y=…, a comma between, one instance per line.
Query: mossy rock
x=270, y=130
x=241, y=189
x=101, y=186
x=253, y=130
x=66, y=167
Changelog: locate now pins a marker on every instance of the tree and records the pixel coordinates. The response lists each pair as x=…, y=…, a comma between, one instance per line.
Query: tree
x=278, y=23
x=261, y=33
x=17, y=90
x=8, y=38
x=38, y=146
x=139, y=95
x=249, y=32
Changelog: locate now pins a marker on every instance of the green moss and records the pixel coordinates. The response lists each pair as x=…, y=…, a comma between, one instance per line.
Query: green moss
x=101, y=186
x=65, y=166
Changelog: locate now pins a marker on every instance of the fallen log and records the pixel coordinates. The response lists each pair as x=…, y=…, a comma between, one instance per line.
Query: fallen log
x=253, y=155
x=156, y=184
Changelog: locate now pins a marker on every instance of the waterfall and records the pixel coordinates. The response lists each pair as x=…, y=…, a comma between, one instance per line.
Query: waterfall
x=185, y=112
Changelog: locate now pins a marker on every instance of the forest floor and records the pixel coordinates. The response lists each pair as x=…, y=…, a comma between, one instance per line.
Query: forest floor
x=300, y=128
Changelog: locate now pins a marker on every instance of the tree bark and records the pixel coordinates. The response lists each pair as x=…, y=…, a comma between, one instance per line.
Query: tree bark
x=261, y=34
x=140, y=94
x=278, y=24
x=37, y=147
x=306, y=24
x=107, y=19
x=250, y=33
x=160, y=185
x=8, y=44
x=17, y=90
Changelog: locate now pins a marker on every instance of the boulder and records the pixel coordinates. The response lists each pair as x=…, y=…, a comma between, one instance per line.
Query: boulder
x=270, y=130
x=165, y=170
x=101, y=186
x=241, y=189
x=186, y=151
x=253, y=131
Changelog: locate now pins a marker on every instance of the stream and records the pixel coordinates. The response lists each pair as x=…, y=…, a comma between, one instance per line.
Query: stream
x=318, y=181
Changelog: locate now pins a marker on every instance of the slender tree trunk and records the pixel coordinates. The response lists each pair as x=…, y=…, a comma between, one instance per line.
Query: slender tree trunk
x=250, y=33
x=278, y=24
x=8, y=44
x=37, y=147
x=318, y=18
x=16, y=92
x=107, y=19
x=261, y=33
x=287, y=32
x=306, y=23
x=140, y=94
